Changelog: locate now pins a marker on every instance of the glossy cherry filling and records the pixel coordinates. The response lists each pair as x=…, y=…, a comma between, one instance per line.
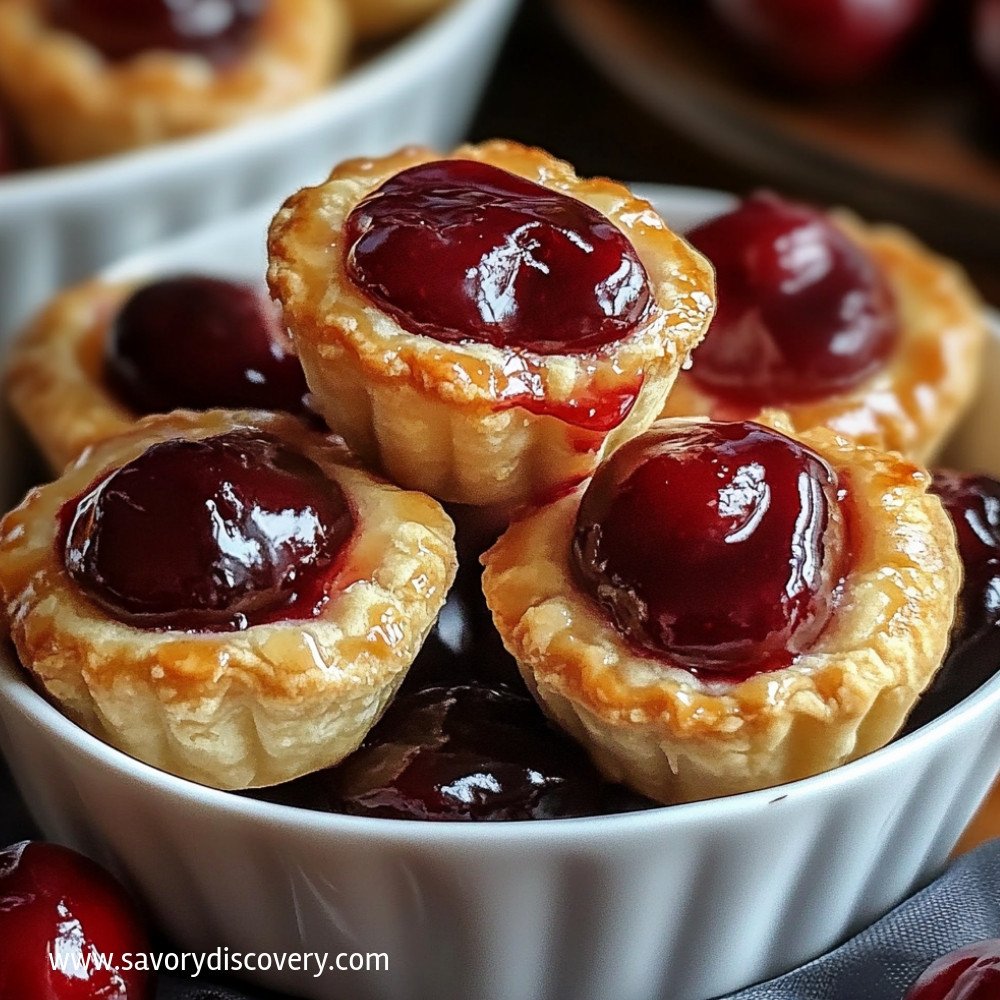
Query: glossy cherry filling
x=196, y=342
x=463, y=251
x=465, y=753
x=219, y=30
x=61, y=917
x=215, y=534
x=716, y=547
x=804, y=312
x=973, y=503
x=970, y=973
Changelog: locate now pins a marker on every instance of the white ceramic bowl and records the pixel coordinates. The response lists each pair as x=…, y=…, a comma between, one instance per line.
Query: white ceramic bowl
x=61, y=224
x=681, y=903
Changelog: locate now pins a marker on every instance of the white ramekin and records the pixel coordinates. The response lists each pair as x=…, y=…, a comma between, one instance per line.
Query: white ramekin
x=680, y=903
x=60, y=224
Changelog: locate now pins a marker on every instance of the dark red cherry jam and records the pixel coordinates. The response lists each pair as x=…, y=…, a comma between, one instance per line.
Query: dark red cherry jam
x=7, y=157
x=465, y=753
x=463, y=251
x=715, y=546
x=973, y=503
x=219, y=534
x=220, y=30
x=197, y=343
x=60, y=915
x=970, y=973
x=803, y=311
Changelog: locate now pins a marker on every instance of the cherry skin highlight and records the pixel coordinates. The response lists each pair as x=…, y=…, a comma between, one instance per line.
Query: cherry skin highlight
x=197, y=343
x=716, y=547
x=219, y=30
x=821, y=42
x=463, y=251
x=803, y=311
x=465, y=753
x=970, y=973
x=216, y=534
x=57, y=905
x=973, y=503
x=986, y=42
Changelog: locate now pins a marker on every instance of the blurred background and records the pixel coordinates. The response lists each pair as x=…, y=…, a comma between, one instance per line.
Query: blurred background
x=901, y=124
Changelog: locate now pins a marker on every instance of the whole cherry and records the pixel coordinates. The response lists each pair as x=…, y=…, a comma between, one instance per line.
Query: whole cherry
x=120, y=29
x=821, y=42
x=970, y=973
x=986, y=40
x=690, y=511
x=973, y=503
x=199, y=342
x=61, y=915
x=804, y=311
x=464, y=753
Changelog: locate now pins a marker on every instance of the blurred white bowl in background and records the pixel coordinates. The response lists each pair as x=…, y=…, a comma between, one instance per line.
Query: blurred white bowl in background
x=60, y=224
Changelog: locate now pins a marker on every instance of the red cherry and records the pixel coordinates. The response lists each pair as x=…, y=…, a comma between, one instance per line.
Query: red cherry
x=970, y=973
x=986, y=40
x=821, y=42
x=58, y=908
x=217, y=29
x=458, y=250
x=717, y=547
x=803, y=311
x=197, y=343
x=465, y=753
x=218, y=534
x=973, y=502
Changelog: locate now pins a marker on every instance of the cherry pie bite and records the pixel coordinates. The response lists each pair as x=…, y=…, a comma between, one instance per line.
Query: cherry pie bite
x=725, y=607
x=842, y=325
x=486, y=325
x=223, y=595
x=101, y=355
x=88, y=78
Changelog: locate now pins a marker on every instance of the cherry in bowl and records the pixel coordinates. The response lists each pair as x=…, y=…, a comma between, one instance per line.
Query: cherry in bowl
x=60, y=915
x=804, y=311
x=198, y=342
x=691, y=507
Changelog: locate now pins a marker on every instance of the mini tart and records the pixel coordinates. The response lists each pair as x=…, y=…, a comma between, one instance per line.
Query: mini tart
x=913, y=403
x=240, y=708
x=376, y=18
x=438, y=416
x=74, y=104
x=54, y=375
x=677, y=737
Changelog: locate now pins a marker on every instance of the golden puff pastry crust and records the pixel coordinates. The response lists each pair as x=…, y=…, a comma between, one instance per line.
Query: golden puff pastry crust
x=433, y=414
x=73, y=104
x=54, y=375
x=243, y=708
x=914, y=402
x=376, y=18
x=676, y=737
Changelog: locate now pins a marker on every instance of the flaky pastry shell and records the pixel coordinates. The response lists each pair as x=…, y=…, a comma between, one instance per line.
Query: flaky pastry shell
x=914, y=402
x=676, y=737
x=233, y=709
x=435, y=415
x=73, y=104
x=54, y=378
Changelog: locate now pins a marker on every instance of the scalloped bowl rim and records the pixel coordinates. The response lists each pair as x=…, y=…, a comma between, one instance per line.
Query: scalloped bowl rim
x=516, y=835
